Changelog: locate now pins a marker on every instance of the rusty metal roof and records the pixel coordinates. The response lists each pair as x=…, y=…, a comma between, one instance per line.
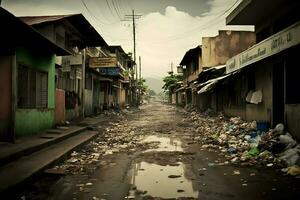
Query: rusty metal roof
x=17, y=33
x=191, y=54
x=90, y=35
x=33, y=20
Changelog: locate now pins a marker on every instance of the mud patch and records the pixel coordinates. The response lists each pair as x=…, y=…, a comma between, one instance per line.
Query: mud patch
x=163, y=143
x=154, y=180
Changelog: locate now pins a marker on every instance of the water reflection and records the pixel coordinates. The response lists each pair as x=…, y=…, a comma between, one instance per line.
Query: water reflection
x=155, y=179
x=165, y=143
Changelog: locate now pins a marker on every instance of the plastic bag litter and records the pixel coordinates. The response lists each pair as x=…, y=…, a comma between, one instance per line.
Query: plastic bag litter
x=253, y=152
x=291, y=156
x=287, y=140
x=279, y=129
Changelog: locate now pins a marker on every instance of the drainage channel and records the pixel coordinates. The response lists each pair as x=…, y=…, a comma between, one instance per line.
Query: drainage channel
x=161, y=181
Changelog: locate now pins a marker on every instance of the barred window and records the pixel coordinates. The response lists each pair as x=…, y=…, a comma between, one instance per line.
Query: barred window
x=32, y=88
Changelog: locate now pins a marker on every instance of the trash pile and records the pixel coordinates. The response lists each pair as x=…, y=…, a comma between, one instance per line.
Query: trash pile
x=247, y=143
x=120, y=138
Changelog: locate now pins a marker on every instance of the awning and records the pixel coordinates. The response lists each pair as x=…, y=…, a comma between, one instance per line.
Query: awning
x=180, y=89
x=115, y=86
x=102, y=79
x=210, y=84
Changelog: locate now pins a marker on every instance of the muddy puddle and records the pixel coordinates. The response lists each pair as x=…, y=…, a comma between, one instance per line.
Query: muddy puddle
x=163, y=143
x=162, y=181
x=168, y=180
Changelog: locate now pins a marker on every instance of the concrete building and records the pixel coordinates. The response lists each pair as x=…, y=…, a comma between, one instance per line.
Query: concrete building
x=74, y=33
x=213, y=53
x=116, y=66
x=266, y=88
x=192, y=66
x=27, y=79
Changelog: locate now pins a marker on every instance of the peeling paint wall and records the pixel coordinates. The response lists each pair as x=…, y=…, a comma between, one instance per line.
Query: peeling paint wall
x=88, y=102
x=217, y=50
x=31, y=121
x=263, y=81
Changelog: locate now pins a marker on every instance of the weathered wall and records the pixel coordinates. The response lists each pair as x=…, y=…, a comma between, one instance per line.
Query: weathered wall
x=292, y=119
x=72, y=113
x=122, y=98
x=96, y=95
x=41, y=61
x=30, y=121
x=237, y=88
x=59, y=106
x=263, y=81
x=5, y=100
x=217, y=50
x=88, y=102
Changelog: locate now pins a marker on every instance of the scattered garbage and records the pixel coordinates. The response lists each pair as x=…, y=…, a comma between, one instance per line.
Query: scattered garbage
x=119, y=137
x=247, y=143
x=293, y=170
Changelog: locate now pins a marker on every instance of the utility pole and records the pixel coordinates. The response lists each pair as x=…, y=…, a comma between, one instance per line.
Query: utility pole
x=133, y=17
x=140, y=62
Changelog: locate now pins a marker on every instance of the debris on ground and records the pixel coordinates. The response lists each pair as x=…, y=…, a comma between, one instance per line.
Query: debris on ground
x=246, y=143
x=120, y=137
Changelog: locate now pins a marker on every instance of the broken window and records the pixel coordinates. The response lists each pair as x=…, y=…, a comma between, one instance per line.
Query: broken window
x=32, y=88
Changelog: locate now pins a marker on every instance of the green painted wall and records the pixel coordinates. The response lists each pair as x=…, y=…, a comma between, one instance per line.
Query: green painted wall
x=41, y=61
x=31, y=121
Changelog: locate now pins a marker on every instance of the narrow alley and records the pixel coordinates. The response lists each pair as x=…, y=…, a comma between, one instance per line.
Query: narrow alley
x=152, y=154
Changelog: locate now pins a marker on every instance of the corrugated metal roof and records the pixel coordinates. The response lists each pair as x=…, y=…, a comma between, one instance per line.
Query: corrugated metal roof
x=16, y=32
x=32, y=20
x=190, y=54
x=211, y=83
x=90, y=35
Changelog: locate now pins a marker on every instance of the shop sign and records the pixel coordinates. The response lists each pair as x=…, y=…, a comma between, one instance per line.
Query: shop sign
x=268, y=47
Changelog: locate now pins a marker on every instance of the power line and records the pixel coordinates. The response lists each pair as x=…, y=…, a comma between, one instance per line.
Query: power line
x=91, y=13
x=115, y=8
x=110, y=9
x=202, y=27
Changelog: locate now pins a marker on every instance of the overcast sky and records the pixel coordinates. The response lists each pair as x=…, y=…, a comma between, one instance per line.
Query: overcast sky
x=167, y=29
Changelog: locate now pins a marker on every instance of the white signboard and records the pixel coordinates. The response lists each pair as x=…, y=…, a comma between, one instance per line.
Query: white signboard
x=270, y=46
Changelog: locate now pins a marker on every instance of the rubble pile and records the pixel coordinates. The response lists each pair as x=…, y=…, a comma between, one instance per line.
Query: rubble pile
x=245, y=143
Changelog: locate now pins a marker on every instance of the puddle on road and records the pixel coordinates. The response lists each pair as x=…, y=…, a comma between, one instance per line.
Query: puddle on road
x=165, y=143
x=155, y=179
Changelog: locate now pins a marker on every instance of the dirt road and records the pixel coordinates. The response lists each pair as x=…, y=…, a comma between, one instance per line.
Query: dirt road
x=151, y=155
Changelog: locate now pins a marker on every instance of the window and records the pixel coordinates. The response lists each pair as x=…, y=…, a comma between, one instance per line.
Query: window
x=32, y=88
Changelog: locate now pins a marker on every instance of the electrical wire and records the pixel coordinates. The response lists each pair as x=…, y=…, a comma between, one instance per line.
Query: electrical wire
x=205, y=26
x=115, y=8
x=90, y=12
